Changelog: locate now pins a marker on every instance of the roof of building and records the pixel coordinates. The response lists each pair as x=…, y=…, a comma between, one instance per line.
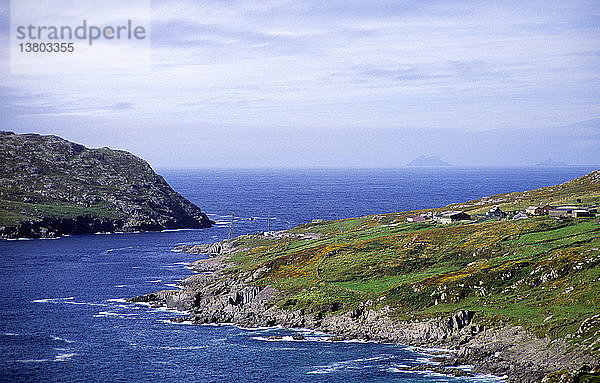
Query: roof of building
x=451, y=213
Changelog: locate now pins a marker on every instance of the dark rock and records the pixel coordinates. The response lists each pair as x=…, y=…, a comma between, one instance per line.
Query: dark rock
x=60, y=187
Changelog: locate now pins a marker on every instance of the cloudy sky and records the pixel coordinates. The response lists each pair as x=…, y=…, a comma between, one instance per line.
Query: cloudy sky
x=338, y=83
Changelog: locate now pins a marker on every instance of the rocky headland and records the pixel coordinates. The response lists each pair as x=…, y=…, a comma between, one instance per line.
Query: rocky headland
x=214, y=295
x=515, y=298
x=51, y=187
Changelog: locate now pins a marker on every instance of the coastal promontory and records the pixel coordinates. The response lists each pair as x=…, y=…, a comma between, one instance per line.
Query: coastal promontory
x=51, y=187
x=509, y=283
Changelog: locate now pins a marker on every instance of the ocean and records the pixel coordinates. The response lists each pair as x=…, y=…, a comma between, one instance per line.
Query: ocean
x=63, y=316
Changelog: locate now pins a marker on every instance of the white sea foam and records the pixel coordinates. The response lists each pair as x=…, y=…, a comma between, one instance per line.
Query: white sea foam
x=315, y=332
x=269, y=339
x=260, y=328
x=10, y=334
x=289, y=338
x=399, y=366
x=394, y=369
x=117, y=300
x=120, y=286
x=105, y=314
x=68, y=301
x=53, y=300
x=217, y=324
x=343, y=365
x=154, y=281
x=488, y=377
x=128, y=307
x=187, y=322
x=307, y=338
x=337, y=366
x=288, y=349
x=170, y=310
x=117, y=249
x=427, y=361
x=183, y=348
x=64, y=357
x=371, y=359
x=110, y=314
x=57, y=338
x=322, y=371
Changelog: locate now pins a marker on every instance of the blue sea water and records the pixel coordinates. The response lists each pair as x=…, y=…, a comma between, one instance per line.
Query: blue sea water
x=63, y=317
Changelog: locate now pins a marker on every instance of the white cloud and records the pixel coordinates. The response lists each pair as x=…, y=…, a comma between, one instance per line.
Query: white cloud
x=441, y=64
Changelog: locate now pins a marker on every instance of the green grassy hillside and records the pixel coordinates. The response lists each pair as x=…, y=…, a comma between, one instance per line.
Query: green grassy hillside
x=539, y=272
x=49, y=177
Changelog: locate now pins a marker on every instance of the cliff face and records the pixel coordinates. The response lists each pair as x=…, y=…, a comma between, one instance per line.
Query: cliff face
x=50, y=186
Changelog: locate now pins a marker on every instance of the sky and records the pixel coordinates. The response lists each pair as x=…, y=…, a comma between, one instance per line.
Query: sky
x=339, y=83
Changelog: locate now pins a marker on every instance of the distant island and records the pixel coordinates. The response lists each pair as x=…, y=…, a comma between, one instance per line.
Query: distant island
x=428, y=161
x=551, y=163
x=51, y=187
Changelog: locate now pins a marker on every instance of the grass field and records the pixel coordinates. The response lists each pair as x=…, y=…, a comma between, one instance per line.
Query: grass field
x=541, y=273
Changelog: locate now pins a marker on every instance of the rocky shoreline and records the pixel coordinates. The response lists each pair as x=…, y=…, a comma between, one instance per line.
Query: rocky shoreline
x=52, y=227
x=51, y=187
x=214, y=296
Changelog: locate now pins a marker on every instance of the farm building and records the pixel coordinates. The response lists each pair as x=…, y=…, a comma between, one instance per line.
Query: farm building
x=560, y=212
x=572, y=211
x=583, y=212
x=496, y=212
x=541, y=209
x=415, y=218
x=451, y=216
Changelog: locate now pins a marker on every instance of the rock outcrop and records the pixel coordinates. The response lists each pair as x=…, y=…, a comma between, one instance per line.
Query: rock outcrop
x=214, y=295
x=213, y=249
x=51, y=187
